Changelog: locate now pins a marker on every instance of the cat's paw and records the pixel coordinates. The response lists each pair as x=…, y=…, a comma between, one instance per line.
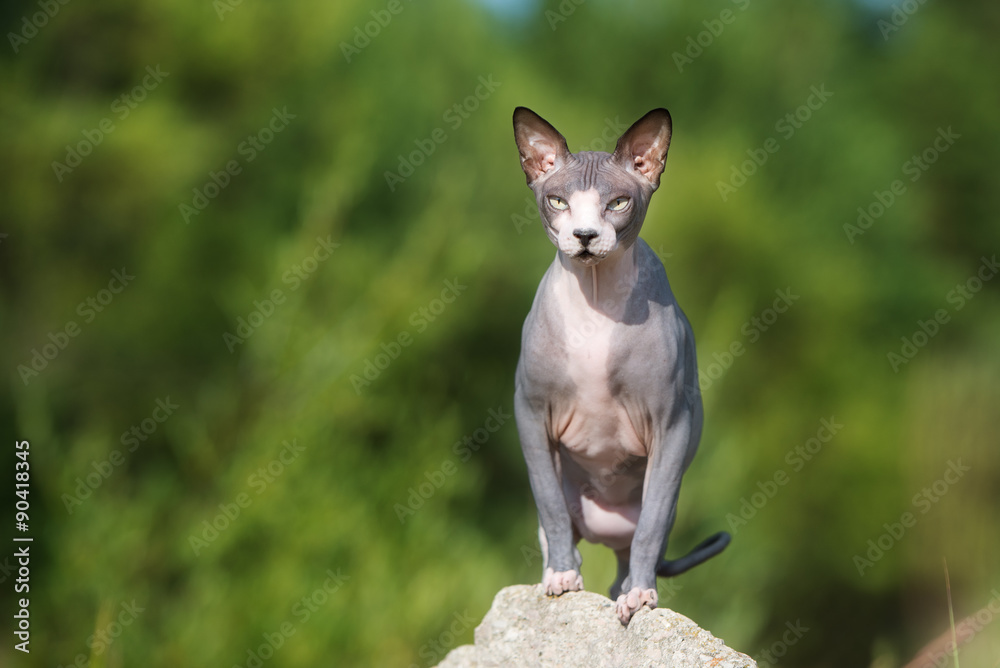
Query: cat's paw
x=555, y=583
x=629, y=604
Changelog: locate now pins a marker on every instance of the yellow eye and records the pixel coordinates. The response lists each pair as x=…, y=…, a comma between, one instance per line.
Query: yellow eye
x=618, y=204
x=558, y=203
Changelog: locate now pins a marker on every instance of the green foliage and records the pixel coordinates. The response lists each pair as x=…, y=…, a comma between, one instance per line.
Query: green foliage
x=278, y=139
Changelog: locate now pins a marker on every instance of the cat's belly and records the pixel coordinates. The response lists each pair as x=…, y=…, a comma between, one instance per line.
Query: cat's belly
x=599, y=519
x=603, y=467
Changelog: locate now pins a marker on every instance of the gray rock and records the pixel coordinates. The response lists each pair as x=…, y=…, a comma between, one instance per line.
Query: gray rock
x=580, y=629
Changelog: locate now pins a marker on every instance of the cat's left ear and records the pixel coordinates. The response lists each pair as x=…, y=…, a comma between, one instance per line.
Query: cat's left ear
x=643, y=147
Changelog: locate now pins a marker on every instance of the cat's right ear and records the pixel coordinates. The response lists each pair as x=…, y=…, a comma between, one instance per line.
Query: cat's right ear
x=541, y=146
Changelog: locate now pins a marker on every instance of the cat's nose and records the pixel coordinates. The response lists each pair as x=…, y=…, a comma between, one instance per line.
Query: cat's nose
x=585, y=235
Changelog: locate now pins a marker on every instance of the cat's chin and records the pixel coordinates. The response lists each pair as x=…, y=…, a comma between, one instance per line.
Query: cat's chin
x=587, y=259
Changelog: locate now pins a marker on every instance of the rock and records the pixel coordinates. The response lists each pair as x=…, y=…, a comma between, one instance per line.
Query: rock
x=580, y=629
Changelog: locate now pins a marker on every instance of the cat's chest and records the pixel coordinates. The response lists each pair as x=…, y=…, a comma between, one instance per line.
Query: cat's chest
x=594, y=410
x=587, y=343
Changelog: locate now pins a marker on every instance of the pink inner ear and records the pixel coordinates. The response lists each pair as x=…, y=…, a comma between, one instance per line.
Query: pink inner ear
x=541, y=164
x=644, y=159
x=646, y=167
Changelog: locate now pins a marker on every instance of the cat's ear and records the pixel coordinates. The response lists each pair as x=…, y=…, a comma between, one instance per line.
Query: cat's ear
x=643, y=147
x=541, y=146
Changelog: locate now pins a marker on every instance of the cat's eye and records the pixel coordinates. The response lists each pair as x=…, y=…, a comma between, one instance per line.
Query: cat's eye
x=558, y=203
x=618, y=204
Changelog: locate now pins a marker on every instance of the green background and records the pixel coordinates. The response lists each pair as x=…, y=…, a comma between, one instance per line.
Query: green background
x=730, y=73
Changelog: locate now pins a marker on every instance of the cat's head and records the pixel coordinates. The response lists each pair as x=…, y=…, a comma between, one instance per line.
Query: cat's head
x=592, y=203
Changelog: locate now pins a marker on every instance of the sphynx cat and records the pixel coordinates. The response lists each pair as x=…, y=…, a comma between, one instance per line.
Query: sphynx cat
x=607, y=401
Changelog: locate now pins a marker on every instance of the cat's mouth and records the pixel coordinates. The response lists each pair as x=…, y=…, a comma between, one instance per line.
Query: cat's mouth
x=587, y=258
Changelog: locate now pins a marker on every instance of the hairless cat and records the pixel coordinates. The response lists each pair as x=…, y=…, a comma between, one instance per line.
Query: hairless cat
x=607, y=401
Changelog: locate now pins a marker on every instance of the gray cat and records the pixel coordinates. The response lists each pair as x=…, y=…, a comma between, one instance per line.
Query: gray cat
x=607, y=401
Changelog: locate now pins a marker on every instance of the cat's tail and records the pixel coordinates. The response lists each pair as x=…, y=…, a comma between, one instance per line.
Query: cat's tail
x=701, y=553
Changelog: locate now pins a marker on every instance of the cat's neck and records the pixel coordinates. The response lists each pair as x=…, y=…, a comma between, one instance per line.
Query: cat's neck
x=604, y=286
